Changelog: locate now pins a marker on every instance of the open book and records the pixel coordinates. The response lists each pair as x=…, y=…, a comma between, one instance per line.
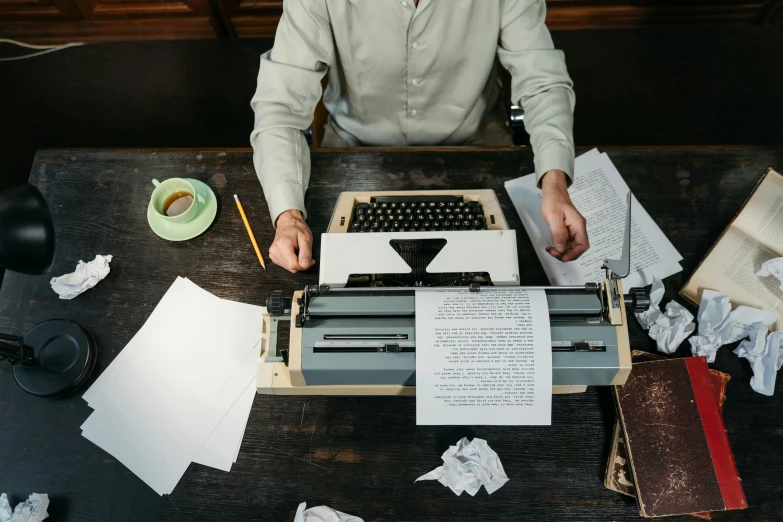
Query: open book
x=754, y=236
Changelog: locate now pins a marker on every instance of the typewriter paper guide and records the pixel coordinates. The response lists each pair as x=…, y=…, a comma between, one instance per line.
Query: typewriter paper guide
x=491, y=251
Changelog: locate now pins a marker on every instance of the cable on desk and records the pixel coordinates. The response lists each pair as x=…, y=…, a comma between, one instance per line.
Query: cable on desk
x=45, y=49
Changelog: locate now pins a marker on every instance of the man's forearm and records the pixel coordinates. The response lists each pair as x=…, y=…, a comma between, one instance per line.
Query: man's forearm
x=282, y=162
x=287, y=92
x=549, y=120
x=540, y=84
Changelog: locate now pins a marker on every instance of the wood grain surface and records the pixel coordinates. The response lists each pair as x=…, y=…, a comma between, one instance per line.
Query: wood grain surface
x=358, y=455
x=62, y=21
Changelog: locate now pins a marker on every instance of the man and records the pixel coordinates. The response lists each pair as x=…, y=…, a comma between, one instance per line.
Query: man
x=410, y=72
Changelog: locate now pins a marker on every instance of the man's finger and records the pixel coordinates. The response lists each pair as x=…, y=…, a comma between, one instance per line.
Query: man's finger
x=305, y=251
x=558, y=231
x=580, y=243
x=552, y=252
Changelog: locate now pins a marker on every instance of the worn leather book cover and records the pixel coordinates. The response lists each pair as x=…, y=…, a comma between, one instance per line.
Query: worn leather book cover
x=619, y=477
x=675, y=440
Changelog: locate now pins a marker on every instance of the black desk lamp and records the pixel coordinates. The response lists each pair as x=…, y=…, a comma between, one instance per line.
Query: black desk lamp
x=54, y=358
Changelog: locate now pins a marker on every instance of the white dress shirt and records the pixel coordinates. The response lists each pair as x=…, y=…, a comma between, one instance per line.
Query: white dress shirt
x=400, y=75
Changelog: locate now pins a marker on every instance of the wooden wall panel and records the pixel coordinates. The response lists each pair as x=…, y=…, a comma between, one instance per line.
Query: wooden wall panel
x=253, y=18
x=258, y=18
x=94, y=31
x=128, y=9
x=104, y=20
x=32, y=10
x=58, y=21
x=598, y=14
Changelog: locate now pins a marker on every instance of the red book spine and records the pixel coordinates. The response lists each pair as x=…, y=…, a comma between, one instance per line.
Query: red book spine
x=715, y=431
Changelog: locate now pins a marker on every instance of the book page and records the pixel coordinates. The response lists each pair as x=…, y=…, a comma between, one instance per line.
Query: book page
x=598, y=192
x=483, y=357
x=762, y=217
x=731, y=268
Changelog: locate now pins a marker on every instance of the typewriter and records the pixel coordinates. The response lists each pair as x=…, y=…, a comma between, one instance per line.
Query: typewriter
x=355, y=332
x=418, y=238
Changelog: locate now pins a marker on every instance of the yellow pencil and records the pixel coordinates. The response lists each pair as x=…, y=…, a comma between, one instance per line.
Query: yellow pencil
x=249, y=231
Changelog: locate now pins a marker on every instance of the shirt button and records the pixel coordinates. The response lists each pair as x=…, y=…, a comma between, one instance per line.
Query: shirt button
x=404, y=3
x=415, y=81
x=414, y=112
x=415, y=45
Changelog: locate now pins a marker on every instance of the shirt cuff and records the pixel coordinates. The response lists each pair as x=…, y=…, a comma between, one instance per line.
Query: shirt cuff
x=285, y=197
x=555, y=156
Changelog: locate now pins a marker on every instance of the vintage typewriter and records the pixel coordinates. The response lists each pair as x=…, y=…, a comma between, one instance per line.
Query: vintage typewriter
x=355, y=333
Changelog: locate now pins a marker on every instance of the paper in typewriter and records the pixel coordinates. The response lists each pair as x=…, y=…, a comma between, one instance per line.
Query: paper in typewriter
x=599, y=193
x=483, y=358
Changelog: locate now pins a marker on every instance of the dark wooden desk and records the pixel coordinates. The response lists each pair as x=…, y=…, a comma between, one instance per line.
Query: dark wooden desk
x=359, y=455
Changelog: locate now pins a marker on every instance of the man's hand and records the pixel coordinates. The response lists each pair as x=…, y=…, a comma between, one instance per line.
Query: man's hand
x=568, y=228
x=292, y=248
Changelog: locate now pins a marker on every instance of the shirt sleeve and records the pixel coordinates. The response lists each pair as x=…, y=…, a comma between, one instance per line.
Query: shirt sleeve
x=287, y=92
x=539, y=84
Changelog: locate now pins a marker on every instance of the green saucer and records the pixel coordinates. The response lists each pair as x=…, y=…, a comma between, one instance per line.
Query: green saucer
x=207, y=210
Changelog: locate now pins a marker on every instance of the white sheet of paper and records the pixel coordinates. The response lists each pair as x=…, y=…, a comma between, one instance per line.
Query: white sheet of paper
x=178, y=291
x=122, y=440
x=170, y=388
x=156, y=391
x=483, y=357
x=222, y=447
x=132, y=446
x=599, y=193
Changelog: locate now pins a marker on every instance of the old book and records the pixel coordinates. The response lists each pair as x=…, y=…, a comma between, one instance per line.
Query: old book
x=753, y=236
x=675, y=440
x=619, y=477
x=618, y=472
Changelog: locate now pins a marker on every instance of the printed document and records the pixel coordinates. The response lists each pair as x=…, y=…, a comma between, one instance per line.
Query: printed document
x=483, y=357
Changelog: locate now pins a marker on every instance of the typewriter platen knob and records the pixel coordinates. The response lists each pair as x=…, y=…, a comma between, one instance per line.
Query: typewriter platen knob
x=638, y=300
x=274, y=303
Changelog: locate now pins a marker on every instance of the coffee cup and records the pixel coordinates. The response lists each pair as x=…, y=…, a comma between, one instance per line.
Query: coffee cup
x=174, y=200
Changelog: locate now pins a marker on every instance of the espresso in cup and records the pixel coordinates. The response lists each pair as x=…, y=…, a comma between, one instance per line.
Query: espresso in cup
x=174, y=200
x=177, y=203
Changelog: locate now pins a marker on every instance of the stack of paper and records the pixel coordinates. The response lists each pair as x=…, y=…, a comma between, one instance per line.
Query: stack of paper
x=599, y=193
x=181, y=390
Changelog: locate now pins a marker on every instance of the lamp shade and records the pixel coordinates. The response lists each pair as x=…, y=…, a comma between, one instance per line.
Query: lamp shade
x=26, y=231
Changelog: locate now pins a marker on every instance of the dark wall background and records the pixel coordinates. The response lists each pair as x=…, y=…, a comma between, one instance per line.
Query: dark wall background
x=650, y=86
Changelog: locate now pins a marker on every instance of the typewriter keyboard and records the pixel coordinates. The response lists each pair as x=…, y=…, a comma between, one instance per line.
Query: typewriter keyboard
x=417, y=213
